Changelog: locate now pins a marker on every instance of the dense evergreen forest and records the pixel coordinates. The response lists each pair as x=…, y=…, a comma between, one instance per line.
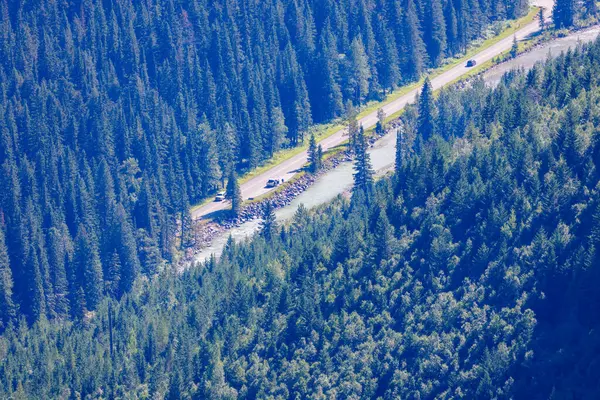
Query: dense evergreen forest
x=117, y=114
x=472, y=272
x=568, y=13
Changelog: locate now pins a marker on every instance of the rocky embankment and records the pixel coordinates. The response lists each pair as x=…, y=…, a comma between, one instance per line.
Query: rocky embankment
x=206, y=231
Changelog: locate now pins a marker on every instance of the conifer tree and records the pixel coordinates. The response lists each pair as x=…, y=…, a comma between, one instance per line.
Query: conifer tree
x=149, y=253
x=234, y=194
x=227, y=145
x=34, y=303
x=279, y=130
x=383, y=234
x=185, y=221
x=360, y=72
x=426, y=120
x=388, y=60
x=127, y=248
x=175, y=385
x=314, y=158
x=268, y=225
x=41, y=294
x=563, y=13
x=88, y=268
x=113, y=275
x=106, y=192
x=434, y=31
x=59, y=252
x=514, y=50
x=363, y=175
x=591, y=8
x=216, y=384
x=328, y=78
x=413, y=45
x=7, y=307
x=110, y=118
x=208, y=159
x=451, y=28
x=145, y=208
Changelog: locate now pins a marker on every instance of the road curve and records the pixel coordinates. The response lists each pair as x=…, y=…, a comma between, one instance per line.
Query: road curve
x=287, y=169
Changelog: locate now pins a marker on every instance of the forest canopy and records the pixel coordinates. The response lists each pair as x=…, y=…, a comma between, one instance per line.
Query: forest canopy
x=471, y=272
x=115, y=116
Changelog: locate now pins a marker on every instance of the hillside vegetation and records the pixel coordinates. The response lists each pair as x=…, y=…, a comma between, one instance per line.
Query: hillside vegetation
x=116, y=115
x=472, y=272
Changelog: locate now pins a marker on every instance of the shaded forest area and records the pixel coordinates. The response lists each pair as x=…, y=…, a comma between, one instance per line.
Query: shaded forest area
x=472, y=272
x=116, y=115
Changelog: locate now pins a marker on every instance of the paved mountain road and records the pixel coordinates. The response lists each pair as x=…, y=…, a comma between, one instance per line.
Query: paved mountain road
x=287, y=169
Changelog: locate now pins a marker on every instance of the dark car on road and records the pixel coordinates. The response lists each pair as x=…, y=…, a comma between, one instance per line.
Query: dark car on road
x=271, y=183
x=471, y=63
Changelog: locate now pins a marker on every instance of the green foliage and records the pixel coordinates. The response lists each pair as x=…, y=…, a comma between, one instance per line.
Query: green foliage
x=117, y=116
x=363, y=170
x=413, y=50
x=268, y=225
x=89, y=269
x=426, y=122
x=7, y=307
x=315, y=155
x=360, y=74
x=434, y=29
x=514, y=50
x=471, y=273
x=234, y=194
x=563, y=13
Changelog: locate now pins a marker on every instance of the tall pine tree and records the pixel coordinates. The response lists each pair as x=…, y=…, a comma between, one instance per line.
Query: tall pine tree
x=268, y=225
x=234, y=194
x=563, y=13
x=413, y=51
x=426, y=120
x=360, y=73
x=7, y=307
x=314, y=157
x=434, y=30
x=363, y=170
x=88, y=270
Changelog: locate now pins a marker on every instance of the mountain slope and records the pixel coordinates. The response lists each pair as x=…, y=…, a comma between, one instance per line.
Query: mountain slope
x=472, y=272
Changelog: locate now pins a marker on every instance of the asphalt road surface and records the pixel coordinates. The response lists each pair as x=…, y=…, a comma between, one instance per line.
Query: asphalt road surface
x=287, y=169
